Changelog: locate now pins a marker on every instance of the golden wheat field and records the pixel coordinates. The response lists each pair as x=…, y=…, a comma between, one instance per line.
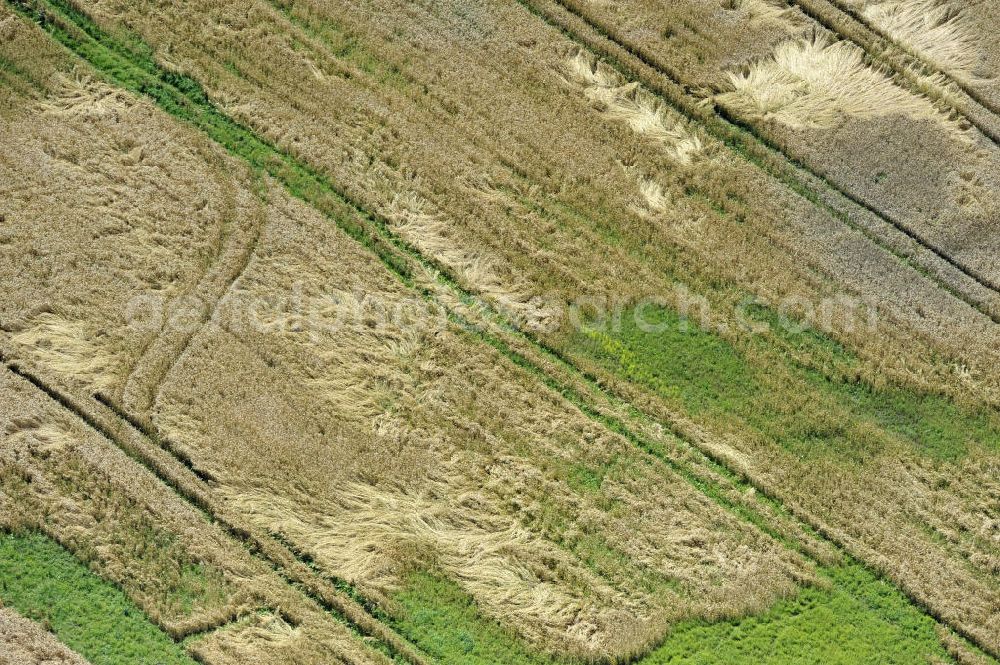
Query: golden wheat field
x=515, y=332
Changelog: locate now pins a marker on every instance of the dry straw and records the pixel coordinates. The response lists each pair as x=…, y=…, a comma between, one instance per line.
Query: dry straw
x=813, y=82
x=28, y=642
x=410, y=215
x=629, y=103
x=932, y=29
x=67, y=347
x=374, y=534
x=78, y=95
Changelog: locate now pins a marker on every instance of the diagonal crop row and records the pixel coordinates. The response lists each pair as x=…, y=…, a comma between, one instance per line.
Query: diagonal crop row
x=184, y=98
x=689, y=455
x=340, y=600
x=148, y=449
x=897, y=238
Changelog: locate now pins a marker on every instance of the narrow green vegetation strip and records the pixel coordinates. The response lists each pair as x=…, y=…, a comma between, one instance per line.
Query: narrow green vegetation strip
x=128, y=63
x=44, y=582
x=857, y=620
x=797, y=406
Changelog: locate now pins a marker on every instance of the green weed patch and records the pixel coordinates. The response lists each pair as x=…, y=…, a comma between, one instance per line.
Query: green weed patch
x=857, y=620
x=794, y=404
x=44, y=582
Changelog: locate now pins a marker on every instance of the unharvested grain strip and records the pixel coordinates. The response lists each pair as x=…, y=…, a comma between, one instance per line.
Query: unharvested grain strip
x=850, y=548
x=336, y=596
x=617, y=426
x=70, y=404
x=898, y=239
x=170, y=471
x=604, y=403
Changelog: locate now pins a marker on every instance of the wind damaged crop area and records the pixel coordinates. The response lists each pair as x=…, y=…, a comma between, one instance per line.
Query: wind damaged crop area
x=822, y=99
x=518, y=357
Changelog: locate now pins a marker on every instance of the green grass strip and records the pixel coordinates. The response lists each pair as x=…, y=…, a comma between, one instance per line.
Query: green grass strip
x=856, y=620
x=859, y=620
x=44, y=582
x=710, y=377
x=130, y=65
